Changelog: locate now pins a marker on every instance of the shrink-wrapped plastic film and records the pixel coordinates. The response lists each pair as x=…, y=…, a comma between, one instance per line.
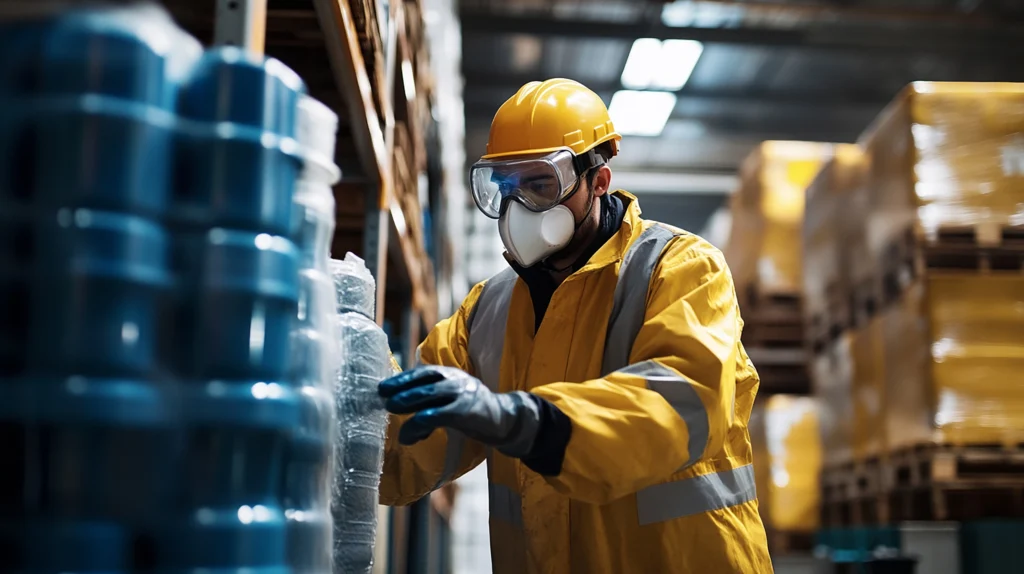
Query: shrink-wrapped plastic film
x=968, y=392
x=945, y=157
x=360, y=414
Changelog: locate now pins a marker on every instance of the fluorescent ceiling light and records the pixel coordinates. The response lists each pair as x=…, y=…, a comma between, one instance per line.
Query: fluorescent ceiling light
x=654, y=64
x=641, y=113
x=684, y=13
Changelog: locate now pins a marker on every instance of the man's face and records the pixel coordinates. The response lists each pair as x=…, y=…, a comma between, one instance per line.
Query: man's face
x=579, y=203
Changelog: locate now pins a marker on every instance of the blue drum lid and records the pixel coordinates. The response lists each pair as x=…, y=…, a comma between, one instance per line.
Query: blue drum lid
x=87, y=242
x=234, y=176
x=241, y=404
x=257, y=263
x=230, y=85
x=135, y=54
x=87, y=400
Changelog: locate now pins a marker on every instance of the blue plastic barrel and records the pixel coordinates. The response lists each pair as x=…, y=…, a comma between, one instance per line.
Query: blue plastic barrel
x=236, y=156
x=238, y=296
x=100, y=278
x=93, y=95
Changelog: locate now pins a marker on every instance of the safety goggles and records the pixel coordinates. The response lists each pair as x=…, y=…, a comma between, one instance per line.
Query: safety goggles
x=539, y=182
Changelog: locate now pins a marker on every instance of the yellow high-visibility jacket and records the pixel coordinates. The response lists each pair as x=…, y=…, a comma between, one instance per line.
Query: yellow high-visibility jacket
x=641, y=349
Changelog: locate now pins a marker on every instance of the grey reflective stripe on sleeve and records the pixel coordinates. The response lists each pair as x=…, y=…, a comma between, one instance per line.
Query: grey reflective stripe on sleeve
x=486, y=325
x=506, y=505
x=679, y=393
x=629, y=307
x=695, y=495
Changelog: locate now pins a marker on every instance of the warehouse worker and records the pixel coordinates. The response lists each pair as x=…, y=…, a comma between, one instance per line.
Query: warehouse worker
x=601, y=376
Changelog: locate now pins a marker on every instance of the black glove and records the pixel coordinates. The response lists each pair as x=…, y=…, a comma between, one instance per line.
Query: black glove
x=447, y=397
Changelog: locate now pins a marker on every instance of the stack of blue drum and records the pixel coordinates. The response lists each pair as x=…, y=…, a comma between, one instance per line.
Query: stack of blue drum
x=149, y=287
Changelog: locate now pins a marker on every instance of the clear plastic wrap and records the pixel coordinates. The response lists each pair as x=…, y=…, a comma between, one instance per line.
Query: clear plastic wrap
x=768, y=209
x=356, y=288
x=785, y=437
x=947, y=155
x=361, y=417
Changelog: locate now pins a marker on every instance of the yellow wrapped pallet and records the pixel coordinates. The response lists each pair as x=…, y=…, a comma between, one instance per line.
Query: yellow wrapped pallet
x=968, y=332
x=945, y=155
x=868, y=390
x=787, y=462
x=767, y=213
x=832, y=376
x=832, y=231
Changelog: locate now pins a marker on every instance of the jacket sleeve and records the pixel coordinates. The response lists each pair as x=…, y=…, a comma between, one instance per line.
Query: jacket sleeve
x=410, y=472
x=672, y=406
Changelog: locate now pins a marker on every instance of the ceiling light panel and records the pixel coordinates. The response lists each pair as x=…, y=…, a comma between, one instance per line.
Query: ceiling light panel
x=654, y=64
x=641, y=113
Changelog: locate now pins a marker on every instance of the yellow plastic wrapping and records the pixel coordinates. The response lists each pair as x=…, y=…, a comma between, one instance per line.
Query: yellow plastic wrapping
x=832, y=233
x=977, y=348
x=787, y=462
x=868, y=390
x=947, y=155
x=907, y=370
x=954, y=361
x=767, y=213
x=832, y=376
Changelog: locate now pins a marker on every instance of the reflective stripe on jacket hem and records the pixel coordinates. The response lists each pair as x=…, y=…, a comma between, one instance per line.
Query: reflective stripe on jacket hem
x=679, y=393
x=695, y=495
x=506, y=505
x=658, y=503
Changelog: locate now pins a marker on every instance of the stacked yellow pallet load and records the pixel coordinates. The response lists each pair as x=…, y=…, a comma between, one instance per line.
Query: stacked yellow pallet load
x=922, y=396
x=765, y=256
x=787, y=463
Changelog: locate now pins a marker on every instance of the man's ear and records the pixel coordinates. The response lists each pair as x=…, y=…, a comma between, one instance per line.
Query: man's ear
x=602, y=181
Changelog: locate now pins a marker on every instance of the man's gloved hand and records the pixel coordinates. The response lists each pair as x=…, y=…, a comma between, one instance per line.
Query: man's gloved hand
x=446, y=397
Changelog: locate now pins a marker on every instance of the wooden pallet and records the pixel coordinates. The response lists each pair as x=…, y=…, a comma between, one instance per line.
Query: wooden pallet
x=927, y=482
x=850, y=493
x=982, y=248
x=781, y=371
x=773, y=320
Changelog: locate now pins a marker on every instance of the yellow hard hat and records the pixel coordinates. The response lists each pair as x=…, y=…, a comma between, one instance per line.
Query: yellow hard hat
x=546, y=116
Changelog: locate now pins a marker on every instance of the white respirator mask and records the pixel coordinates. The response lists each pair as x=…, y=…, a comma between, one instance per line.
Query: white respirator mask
x=531, y=236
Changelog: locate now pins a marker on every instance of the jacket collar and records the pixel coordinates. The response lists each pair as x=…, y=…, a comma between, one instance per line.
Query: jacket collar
x=615, y=248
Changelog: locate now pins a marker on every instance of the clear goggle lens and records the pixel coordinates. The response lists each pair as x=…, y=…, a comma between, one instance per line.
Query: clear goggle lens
x=538, y=182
